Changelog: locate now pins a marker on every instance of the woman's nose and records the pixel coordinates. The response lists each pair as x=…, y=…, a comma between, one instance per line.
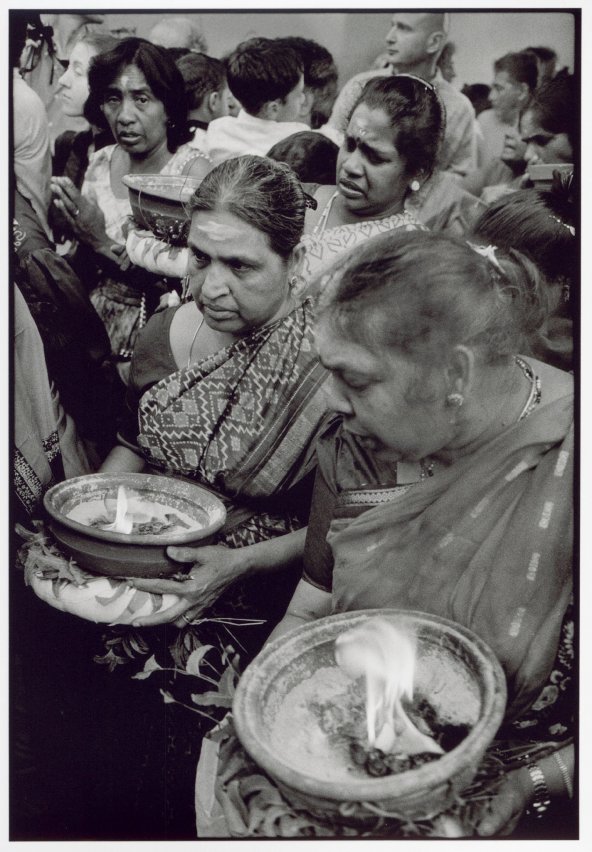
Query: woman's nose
x=214, y=284
x=531, y=155
x=352, y=162
x=64, y=80
x=391, y=36
x=126, y=113
x=336, y=400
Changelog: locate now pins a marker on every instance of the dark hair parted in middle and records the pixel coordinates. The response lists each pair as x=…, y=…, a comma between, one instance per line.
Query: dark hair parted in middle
x=261, y=70
x=161, y=73
x=416, y=115
x=422, y=294
x=264, y=194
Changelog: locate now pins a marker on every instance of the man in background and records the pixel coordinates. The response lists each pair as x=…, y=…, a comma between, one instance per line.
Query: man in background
x=414, y=44
x=320, y=80
x=176, y=31
x=515, y=78
x=208, y=95
x=267, y=78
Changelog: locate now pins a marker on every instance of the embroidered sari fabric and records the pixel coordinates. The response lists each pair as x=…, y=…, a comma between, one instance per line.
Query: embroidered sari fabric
x=46, y=444
x=324, y=245
x=242, y=421
x=486, y=543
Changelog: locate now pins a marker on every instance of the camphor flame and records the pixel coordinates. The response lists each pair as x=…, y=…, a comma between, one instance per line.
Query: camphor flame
x=385, y=657
x=123, y=522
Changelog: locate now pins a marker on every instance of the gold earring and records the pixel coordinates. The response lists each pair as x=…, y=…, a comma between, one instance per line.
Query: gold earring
x=414, y=186
x=455, y=400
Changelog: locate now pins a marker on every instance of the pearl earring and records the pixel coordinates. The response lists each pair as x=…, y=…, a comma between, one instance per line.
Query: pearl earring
x=414, y=185
x=455, y=400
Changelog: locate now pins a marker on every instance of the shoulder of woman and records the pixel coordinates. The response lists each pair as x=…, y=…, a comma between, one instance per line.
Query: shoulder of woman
x=98, y=162
x=152, y=358
x=555, y=383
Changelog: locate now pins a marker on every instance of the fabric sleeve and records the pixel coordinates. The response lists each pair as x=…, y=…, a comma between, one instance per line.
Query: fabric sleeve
x=318, y=558
x=460, y=152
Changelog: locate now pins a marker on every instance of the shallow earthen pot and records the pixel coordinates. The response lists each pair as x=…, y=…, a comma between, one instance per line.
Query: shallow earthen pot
x=117, y=554
x=461, y=667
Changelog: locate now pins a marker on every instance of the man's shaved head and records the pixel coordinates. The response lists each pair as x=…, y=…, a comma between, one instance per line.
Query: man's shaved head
x=434, y=22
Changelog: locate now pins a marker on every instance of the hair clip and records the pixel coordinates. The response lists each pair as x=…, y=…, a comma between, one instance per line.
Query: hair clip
x=418, y=79
x=309, y=201
x=559, y=221
x=487, y=252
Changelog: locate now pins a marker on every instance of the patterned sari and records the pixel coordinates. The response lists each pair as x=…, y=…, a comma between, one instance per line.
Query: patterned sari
x=242, y=422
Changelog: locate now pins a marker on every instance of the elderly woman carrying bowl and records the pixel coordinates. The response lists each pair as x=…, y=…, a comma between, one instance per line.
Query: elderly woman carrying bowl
x=226, y=389
x=137, y=91
x=444, y=482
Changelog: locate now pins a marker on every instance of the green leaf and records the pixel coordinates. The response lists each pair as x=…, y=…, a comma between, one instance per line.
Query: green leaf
x=211, y=699
x=150, y=666
x=227, y=685
x=167, y=697
x=195, y=658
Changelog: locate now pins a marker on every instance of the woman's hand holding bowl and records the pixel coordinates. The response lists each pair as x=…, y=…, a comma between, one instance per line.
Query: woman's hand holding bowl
x=507, y=805
x=214, y=569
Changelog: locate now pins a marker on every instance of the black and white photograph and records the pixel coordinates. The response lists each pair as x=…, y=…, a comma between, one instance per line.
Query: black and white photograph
x=294, y=372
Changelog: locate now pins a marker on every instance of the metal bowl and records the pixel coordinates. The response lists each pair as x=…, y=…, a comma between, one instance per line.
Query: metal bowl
x=160, y=203
x=117, y=554
x=456, y=671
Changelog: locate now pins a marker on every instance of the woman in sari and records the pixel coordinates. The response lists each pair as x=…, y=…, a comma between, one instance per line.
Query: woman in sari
x=226, y=388
x=136, y=91
x=444, y=484
x=389, y=151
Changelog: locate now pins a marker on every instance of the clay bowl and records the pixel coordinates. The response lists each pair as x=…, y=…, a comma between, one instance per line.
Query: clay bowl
x=277, y=720
x=160, y=203
x=134, y=555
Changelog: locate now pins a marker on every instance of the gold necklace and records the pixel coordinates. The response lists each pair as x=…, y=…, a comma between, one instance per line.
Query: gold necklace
x=199, y=325
x=534, y=396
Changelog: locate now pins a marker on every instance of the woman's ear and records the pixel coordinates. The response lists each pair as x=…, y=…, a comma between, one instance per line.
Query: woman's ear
x=296, y=280
x=270, y=110
x=460, y=371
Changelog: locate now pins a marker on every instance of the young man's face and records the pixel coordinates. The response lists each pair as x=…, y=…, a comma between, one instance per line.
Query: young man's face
x=505, y=97
x=407, y=40
x=290, y=109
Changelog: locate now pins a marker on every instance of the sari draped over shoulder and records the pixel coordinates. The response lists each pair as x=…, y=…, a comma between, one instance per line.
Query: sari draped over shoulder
x=487, y=543
x=242, y=421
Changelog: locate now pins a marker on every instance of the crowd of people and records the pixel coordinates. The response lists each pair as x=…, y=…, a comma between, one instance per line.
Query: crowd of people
x=364, y=346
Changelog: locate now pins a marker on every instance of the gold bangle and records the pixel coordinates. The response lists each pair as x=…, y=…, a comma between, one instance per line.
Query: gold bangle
x=541, y=800
x=564, y=773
